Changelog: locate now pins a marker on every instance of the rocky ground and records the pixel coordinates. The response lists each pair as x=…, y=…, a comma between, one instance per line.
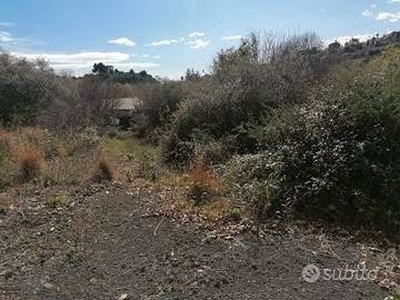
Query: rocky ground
x=105, y=242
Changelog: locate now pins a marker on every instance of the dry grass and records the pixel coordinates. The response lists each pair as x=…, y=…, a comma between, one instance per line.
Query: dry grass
x=216, y=210
x=33, y=154
x=4, y=203
x=30, y=163
x=132, y=158
x=129, y=148
x=7, y=140
x=198, y=193
x=71, y=170
x=5, y=154
x=59, y=200
x=204, y=185
x=219, y=210
x=33, y=136
x=105, y=171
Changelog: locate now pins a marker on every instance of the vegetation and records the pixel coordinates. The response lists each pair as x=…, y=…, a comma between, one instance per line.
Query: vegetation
x=307, y=138
x=103, y=72
x=25, y=88
x=296, y=129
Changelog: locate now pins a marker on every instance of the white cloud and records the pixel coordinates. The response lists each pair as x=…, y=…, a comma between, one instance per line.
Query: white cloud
x=367, y=13
x=393, y=1
x=157, y=56
x=232, y=37
x=388, y=16
x=197, y=34
x=82, y=58
x=346, y=38
x=166, y=42
x=196, y=40
x=136, y=65
x=123, y=41
x=82, y=62
x=11, y=42
x=198, y=44
x=383, y=15
x=6, y=37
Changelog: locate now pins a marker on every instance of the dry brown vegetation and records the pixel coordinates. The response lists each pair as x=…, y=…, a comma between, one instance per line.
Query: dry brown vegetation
x=203, y=185
x=30, y=163
x=33, y=154
x=105, y=171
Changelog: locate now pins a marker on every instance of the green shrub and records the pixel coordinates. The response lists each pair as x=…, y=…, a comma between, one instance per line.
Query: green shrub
x=149, y=167
x=26, y=86
x=160, y=101
x=249, y=81
x=253, y=178
x=209, y=150
x=337, y=158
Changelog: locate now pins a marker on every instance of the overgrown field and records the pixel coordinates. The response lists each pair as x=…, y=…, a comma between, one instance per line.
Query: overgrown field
x=281, y=129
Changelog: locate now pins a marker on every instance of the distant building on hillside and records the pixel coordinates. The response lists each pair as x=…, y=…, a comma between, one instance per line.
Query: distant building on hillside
x=126, y=107
x=124, y=111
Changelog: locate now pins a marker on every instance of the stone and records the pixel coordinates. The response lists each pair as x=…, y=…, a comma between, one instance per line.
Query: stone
x=123, y=297
x=48, y=285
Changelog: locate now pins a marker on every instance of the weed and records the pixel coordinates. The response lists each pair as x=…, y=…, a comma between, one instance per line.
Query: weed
x=30, y=164
x=233, y=213
x=149, y=168
x=57, y=201
x=4, y=204
x=105, y=171
x=132, y=148
x=204, y=186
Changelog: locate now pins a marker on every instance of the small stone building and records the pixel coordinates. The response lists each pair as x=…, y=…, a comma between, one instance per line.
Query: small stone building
x=124, y=111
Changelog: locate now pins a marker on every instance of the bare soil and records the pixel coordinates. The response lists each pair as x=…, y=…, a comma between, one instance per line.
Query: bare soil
x=106, y=243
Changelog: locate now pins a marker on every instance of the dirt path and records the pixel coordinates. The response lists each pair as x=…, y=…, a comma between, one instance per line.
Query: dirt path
x=102, y=247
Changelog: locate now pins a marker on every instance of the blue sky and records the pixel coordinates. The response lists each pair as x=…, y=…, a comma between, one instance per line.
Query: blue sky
x=167, y=36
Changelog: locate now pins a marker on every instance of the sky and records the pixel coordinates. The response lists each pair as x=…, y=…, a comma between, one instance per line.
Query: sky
x=165, y=37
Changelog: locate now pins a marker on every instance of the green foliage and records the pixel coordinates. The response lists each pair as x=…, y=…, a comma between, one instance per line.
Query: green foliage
x=336, y=158
x=149, y=167
x=31, y=93
x=24, y=88
x=131, y=147
x=160, y=101
x=103, y=72
x=192, y=75
x=249, y=81
x=254, y=179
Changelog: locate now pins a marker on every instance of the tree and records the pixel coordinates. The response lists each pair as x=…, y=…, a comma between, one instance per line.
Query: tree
x=353, y=45
x=25, y=87
x=192, y=75
x=334, y=47
x=107, y=72
x=99, y=68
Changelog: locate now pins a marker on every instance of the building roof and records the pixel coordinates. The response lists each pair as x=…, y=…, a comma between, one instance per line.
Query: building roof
x=128, y=104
